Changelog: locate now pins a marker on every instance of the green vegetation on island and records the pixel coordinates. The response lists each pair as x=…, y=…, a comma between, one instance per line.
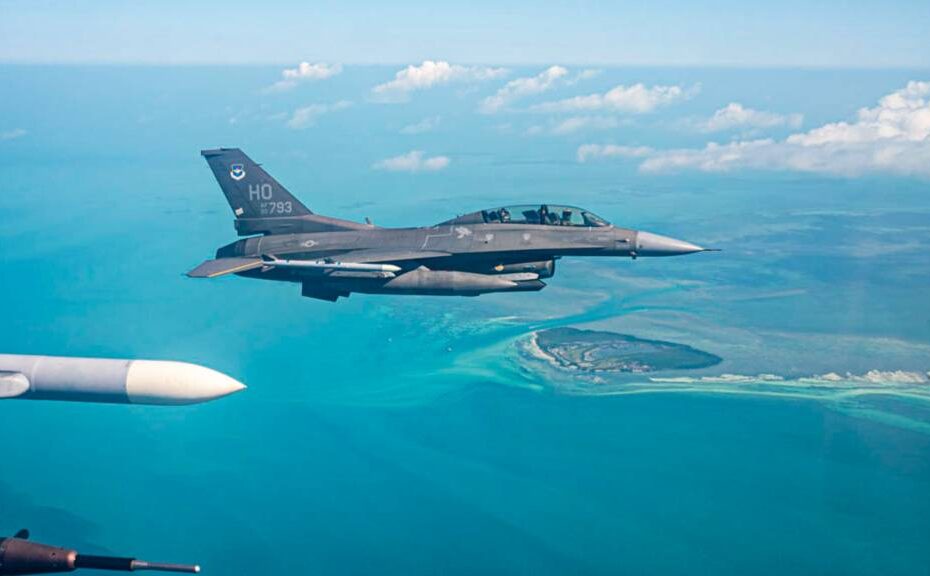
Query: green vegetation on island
x=597, y=351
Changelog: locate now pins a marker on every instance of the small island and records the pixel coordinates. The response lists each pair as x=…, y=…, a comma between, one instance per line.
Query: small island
x=598, y=351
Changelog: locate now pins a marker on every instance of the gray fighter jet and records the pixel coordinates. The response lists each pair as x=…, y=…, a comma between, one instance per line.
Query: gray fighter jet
x=502, y=249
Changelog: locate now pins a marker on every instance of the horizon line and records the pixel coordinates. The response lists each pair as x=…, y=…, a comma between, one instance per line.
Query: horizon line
x=359, y=64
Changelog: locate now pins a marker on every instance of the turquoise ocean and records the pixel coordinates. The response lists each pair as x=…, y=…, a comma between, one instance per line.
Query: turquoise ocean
x=420, y=435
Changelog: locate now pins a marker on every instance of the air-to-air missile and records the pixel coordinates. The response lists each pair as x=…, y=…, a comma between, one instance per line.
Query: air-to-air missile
x=110, y=381
x=20, y=556
x=471, y=254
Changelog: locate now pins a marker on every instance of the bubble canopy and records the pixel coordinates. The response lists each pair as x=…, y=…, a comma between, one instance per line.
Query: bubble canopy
x=538, y=214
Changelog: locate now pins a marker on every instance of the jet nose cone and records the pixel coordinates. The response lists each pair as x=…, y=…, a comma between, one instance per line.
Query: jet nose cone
x=164, y=382
x=648, y=244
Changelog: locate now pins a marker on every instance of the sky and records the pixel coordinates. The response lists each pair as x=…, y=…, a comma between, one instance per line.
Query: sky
x=830, y=33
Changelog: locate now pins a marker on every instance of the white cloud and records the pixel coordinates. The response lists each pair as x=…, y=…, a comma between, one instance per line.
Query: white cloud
x=430, y=74
x=573, y=124
x=892, y=137
x=424, y=125
x=413, y=161
x=580, y=123
x=589, y=151
x=12, y=134
x=307, y=116
x=735, y=116
x=585, y=75
x=635, y=99
x=522, y=87
x=305, y=71
x=903, y=115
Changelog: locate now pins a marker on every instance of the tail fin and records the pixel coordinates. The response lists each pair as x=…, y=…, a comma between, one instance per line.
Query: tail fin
x=251, y=192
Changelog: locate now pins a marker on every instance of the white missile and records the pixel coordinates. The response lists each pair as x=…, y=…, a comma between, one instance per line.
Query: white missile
x=329, y=265
x=111, y=381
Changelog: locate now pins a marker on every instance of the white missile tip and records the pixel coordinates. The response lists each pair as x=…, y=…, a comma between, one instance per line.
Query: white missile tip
x=13, y=384
x=172, y=383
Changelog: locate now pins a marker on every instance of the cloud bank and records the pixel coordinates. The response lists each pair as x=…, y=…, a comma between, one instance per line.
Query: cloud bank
x=305, y=71
x=307, y=116
x=580, y=123
x=635, y=99
x=424, y=125
x=891, y=137
x=413, y=161
x=430, y=74
x=592, y=151
x=12, y=134
x=522, y=87
x=735, y=116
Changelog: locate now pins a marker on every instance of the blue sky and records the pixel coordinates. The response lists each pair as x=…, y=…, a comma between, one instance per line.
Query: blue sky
x=830, y=33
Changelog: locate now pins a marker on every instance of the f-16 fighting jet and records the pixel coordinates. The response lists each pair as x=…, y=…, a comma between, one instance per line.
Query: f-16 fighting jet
x=502, y=249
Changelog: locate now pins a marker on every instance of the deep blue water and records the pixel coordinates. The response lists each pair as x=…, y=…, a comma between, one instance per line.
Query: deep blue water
x=411, y=435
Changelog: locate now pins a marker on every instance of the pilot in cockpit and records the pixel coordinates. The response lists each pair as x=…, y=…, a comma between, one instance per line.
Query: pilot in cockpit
x=544, y=214
x=504, y=215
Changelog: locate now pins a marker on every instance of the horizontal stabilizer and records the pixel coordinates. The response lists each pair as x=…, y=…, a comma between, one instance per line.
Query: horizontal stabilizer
x=223, y=266
x=13, y=384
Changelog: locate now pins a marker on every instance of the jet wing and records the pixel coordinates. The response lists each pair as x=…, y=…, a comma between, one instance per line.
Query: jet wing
x=13, y=384
x=223, y=266
x=375, y=255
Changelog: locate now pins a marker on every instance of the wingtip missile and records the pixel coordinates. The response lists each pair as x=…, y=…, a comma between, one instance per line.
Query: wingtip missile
x=271, y=261
x=19, y=555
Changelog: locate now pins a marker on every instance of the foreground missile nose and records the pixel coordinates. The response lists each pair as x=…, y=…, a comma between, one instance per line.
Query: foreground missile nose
x=170, y=383
x=648, y=244
x=110, y=380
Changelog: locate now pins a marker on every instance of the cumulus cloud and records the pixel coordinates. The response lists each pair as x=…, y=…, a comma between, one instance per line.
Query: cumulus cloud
x=585, y=74
x=892, y=137
x=635, y=99
x=735, y=116
x=12, y=134
x=522, y=87
x=424, y=125
x=580, y=123
x=591, y=151
x=413, y=161
x=430, y=74
x=304, y=71
x=573, y=124
x=307, y=116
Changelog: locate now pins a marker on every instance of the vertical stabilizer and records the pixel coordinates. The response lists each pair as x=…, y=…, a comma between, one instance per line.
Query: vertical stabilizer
x=251, y=192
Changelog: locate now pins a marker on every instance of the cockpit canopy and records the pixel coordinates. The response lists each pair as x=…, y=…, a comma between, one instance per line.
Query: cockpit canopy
x=544, y=214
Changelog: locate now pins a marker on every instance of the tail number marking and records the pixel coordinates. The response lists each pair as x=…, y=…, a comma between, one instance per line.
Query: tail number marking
x=262, y=192
x=273, y=208
x=259, y=192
